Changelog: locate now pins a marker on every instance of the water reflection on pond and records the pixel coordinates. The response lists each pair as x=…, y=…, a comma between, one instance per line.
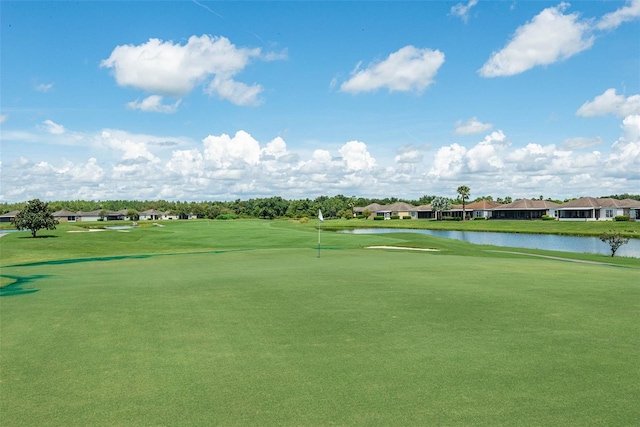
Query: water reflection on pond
x=551, y=242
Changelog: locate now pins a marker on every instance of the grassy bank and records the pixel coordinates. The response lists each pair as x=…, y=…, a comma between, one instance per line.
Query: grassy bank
x=240, y=323
x=586, y=228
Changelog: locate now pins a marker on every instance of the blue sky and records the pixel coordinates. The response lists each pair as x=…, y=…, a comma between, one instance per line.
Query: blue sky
x=202, y=100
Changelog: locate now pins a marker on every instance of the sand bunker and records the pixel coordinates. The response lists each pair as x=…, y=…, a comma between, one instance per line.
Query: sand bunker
x=403, y=248
x=89, y=230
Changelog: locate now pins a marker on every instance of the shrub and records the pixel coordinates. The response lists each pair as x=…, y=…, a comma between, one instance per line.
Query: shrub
x=378, y=218
x=621, y=218
x=451, y=218
x=303, y=220
x=406, y=217
x=361, y=217
x=479, y=218
x=395, y=217
x=547, y=218
x=226, y=216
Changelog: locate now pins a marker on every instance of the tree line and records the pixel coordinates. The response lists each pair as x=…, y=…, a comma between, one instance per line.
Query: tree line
x=338, y=206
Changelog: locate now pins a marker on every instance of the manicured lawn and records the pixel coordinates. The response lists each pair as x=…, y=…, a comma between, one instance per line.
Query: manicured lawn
x=240, y=323
x=578, y=228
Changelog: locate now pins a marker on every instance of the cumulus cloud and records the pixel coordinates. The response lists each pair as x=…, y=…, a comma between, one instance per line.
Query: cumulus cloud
x=610, y=103
x=448, y=162
x=3, y=118
x=462, y=10
x=171, y=69
x=226, y=167
x=226, y=152
x=154, y=104
x=471, y=126
x=487, y=155
x=53, y=128
x=550, y=37
x=629, y=12
x=407, y=70
x=408, y=154
x=356, y=157
x=624, y=158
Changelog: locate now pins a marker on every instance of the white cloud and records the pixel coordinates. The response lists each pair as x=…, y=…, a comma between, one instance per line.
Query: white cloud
x=356, y=157
x=43, y=87
x=407, y=70
x=174, y=70
x=223, y=167
x=132, y=148
x=53, y=128
x=153, y=104
x=3, y=118
x=471, y=126
x=610, y=103
x=462, y=10
x=412, y=156
x=487, y=155
x=624, y=158
x=449, y=161
x=629, y=12
x=225, y=152
x=186, y=162
x=550, y=37
x=581, y=142
x=235, y=92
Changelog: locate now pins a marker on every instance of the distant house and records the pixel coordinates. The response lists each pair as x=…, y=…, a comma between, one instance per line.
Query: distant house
x=120, y=215
x=598, y=209
x=483, y=208
x=525, y=209
x=91, y=216
x=65, y=216
x=152, y=214
x=423, y=212
x=8, y=216
x=373, y=208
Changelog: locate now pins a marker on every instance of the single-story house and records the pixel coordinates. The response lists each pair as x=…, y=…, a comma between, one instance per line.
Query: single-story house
x=483, y=208
x=598, y=209
x=65, y=216
x=91, y=216
x=525, y=209
x=8, y=216
x=153, y=214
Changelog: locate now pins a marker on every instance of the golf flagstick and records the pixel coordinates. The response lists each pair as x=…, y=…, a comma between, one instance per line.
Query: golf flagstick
x=321, y=219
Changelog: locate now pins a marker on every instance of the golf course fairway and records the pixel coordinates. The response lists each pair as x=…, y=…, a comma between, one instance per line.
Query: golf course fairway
x=241, y=323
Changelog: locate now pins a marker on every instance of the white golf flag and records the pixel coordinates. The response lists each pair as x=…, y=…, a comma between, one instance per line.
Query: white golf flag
x=320, y=216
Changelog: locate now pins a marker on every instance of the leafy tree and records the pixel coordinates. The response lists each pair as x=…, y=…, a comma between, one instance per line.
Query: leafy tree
x=35, y=216
x=133, y=215
x=614, y=239
x=464, y=192
x=440, y=204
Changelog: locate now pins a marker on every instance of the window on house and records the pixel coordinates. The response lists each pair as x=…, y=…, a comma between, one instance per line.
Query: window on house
x=609, y=213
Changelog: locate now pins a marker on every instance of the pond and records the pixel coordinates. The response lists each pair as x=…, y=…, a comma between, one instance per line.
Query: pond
x=551, y=242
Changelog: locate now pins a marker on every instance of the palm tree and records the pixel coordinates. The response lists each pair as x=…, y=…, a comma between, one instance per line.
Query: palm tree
x=464, y=192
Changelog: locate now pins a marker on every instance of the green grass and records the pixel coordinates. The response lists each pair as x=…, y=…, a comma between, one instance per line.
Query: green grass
x=239, y=323
x=576, y=228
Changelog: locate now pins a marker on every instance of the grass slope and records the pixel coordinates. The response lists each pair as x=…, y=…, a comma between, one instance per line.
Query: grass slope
x=239, y=323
